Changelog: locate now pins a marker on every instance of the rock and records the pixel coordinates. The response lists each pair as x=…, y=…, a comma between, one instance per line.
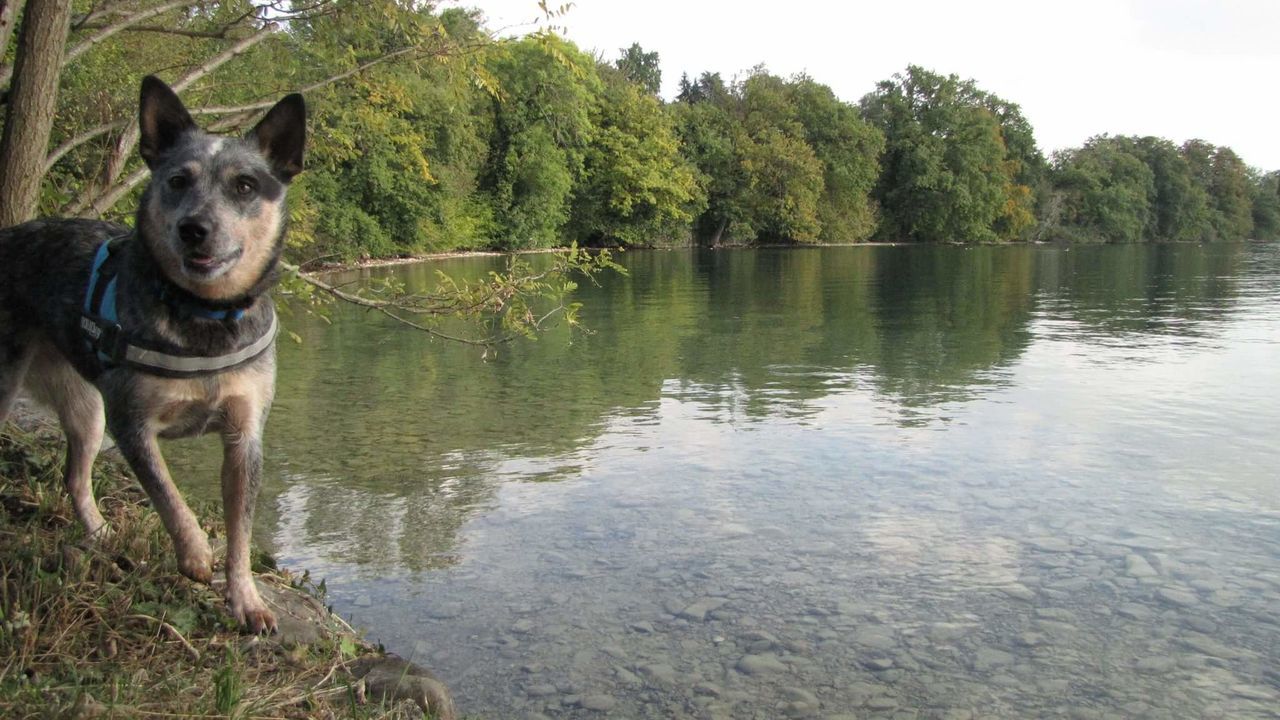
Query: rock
x=613, y=651
x=796, y=694
x=878, y=663
x=445, y=611
x=1134, y=611
x=658, y=672
x=1201, y=625
x=1253, y=692
x=948, y=632
x=1155, y=665
x=391, y=679
x=300, y=618
x=881, y=703
x=626, y=677
x=988, y=658
x=1209, y=646
x=1018, y=591
x=797, y=709
x=643, y=627
x=1226, y=599
x=707, y=689
x=363, y=601
x=1136, y=566
x=876, y=638
x=1174, y=596
x=698, y=611
x=1029, y=639
x=598, y=702
x=540, y=690
x=1058, y=614
x=523, y=627
x=760, y=665
x=1050, y=544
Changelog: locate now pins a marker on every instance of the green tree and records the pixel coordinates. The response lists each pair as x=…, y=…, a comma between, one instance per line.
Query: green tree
x=849, y=150
x=1229, y=188
x=1225, y=178
x=637, y=188
x=709, y=138
x=1266, y=206
x=542, y=130
x=642, y=68
x=948, y=174
x=1180, y=208
x=1108, y=190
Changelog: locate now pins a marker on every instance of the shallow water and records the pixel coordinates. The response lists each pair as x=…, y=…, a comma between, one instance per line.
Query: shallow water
x=846, y=482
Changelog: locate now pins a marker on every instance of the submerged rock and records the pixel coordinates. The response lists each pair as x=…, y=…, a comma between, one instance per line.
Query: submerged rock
x=760, y=665
x=392, y=678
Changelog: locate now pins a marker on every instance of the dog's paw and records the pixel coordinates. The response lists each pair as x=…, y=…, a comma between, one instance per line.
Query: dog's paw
x=248, y=609
x=99, y=534
x=196, y=563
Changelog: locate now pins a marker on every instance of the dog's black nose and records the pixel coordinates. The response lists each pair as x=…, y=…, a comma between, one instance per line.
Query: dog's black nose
x=193, y=231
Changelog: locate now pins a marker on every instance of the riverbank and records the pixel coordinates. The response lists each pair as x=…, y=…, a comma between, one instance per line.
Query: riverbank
x=110, y=629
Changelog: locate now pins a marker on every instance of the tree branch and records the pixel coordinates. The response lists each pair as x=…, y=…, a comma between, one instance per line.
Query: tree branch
x=74, y=142
x=115, y=27
x=94, y=203
x=220, y=34
x=492, y=297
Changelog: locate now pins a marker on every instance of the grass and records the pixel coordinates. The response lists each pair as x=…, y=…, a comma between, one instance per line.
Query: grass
x=108, y=628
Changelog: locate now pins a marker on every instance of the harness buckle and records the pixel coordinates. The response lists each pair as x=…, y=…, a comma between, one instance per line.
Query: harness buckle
x=106, y=337
x=112, y=343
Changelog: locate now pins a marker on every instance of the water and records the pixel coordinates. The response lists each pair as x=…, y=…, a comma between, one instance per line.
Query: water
x=848, y=482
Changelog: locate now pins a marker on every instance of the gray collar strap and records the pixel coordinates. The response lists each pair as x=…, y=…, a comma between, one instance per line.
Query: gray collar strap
x=113, y=348
x=185, y=365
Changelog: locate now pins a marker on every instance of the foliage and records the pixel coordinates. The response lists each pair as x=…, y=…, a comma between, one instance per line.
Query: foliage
x=949, y=174
x=429, y=135
x=641, y=68
x=1266, y=206
x=541, y=131
x=637, y=189
x=1128, y=189
x=780, y=160
x=1109, y=190
x=505, y=305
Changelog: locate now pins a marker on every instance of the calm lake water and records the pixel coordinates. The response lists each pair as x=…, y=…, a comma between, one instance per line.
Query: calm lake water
x=908, y=482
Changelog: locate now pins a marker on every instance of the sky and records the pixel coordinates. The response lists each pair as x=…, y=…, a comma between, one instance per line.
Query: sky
x=1178, y=69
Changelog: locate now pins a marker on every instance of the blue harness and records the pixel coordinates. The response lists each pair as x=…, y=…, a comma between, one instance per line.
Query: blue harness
x=101, y=325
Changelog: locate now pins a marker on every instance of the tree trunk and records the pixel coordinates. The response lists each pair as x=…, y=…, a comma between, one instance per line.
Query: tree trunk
x=715, y=239
x=33, y=98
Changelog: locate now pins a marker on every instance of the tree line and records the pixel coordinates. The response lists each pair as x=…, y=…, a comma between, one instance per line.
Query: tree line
x=428, y=135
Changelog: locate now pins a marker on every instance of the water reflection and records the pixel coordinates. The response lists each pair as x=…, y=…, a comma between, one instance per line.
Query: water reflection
x=1006, y=482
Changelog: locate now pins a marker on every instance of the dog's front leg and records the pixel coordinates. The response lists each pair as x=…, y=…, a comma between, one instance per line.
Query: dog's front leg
x=137, y=441
x=241, y=477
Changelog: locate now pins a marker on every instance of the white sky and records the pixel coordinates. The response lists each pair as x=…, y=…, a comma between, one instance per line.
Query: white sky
x=1178, y=69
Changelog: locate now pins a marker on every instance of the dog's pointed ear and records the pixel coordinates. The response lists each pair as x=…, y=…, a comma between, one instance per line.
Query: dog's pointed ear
x=282, y=134
x=162, y=119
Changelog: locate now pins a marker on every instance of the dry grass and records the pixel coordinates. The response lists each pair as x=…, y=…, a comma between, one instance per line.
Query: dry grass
x=110, y=629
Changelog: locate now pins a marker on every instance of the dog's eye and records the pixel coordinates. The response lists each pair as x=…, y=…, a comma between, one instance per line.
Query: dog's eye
x=178, y=182
x=245, y=186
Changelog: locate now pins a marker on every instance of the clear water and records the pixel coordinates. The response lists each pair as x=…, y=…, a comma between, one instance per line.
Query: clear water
x=847, y=482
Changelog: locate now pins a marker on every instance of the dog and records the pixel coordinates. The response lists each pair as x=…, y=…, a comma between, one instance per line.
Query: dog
x=164, y=330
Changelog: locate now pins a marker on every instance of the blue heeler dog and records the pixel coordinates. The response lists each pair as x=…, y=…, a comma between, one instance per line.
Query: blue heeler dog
x=166, y=330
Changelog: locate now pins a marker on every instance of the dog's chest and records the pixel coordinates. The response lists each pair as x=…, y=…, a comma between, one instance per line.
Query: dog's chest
x=185, y=408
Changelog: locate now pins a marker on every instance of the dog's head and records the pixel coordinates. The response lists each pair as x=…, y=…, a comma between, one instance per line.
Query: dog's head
x=213, y=217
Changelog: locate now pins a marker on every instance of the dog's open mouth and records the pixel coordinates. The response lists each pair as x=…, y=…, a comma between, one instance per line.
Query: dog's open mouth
x=202, y=265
